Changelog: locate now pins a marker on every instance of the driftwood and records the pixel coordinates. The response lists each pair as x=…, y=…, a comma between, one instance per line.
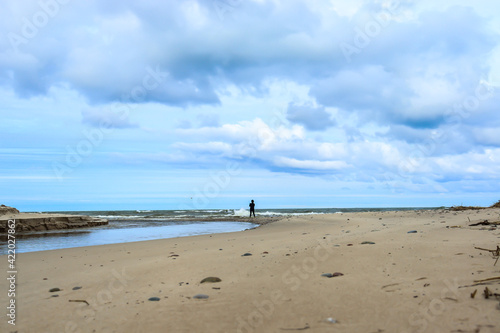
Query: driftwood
x=297, y=329
x=495, y=253
x=487, y=293
x=488, y=279
x=79, y=300
x=485, y=222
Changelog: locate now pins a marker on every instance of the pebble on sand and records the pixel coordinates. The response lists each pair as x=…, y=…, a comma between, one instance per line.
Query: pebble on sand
x=154, y=299
x=211, y=279
x=412, y=232
x=246, y=254
x=367, y=242
x=330, y=275
x=76, y=288
x=200, y=296
x=53, y=290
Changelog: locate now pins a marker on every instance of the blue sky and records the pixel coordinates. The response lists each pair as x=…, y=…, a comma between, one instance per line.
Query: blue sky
x=211, y=103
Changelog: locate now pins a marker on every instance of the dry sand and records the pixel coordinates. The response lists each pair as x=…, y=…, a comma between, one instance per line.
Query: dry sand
x=405, y=282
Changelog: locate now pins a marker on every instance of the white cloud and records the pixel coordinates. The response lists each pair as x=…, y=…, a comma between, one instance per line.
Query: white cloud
x=293, y=163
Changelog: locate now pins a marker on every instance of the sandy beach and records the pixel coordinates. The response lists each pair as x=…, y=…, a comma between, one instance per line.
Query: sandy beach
x=411, y=271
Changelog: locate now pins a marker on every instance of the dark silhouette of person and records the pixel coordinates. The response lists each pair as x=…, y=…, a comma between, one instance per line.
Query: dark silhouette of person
x=252, y=208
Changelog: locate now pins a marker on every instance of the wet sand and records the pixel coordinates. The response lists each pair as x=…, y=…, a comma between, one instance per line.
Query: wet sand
x=395, y=282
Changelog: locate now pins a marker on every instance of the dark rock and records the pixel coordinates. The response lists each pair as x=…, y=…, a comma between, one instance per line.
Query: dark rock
x=53, y=290
x=76, y=288
x=154, y=299
x=412, y=232
x=200, y=296
x=367, y=242
x=211, y=279
x=330, y=275
x=246, y=254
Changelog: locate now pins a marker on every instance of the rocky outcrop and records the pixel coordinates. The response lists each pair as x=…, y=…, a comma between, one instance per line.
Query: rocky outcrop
x=4, y=210
x=40, y=222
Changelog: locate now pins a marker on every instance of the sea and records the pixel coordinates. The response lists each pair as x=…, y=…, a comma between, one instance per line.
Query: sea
x=141, y=225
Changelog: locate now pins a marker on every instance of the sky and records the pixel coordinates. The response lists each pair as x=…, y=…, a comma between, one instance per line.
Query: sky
x=109, y=105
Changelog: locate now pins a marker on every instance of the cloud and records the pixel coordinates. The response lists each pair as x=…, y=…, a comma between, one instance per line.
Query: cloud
x=413, y=81
x=105, y=52
x=487, y=136
x=184, y=53
x=313, y=118
x=287, y=149
x=313, y=165
x=103, y=118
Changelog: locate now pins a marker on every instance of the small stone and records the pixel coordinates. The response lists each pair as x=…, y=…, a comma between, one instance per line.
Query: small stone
x=330, y=275
x=55, y=295
x=76, y=288
x=211, y=279
x=246, y=254
x=367, y=242
x=53, y=290
x=200, y=296
x=154, y=299
x=412, y=231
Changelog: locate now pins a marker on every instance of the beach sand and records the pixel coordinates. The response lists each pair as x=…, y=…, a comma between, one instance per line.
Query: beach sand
x=404, y=282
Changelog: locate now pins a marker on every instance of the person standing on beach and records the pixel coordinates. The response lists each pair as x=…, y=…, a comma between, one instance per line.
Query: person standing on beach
x=252, y=208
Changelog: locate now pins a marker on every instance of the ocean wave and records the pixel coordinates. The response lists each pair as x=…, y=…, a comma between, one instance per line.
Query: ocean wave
x=172, y=215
